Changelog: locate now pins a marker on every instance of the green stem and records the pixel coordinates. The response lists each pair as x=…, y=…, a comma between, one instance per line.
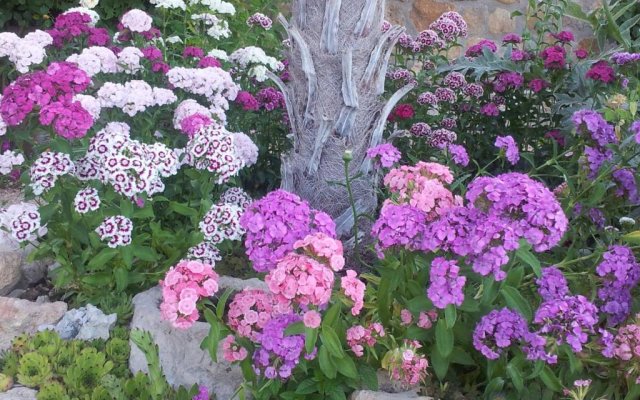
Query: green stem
x=353, y=206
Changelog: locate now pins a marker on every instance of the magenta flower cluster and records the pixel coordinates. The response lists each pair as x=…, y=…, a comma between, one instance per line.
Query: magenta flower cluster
x=385, y=155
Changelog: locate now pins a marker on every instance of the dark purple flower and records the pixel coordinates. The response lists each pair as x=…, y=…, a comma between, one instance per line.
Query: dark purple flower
x=554, y=57
x=512, y=38
x=601, y=71
x=476, y=49
x=581, y=54
x=563, y=36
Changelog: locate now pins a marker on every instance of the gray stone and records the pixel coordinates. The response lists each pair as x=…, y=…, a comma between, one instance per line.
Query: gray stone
x=10, y=272
x=23, y=316
x=85, y=323
x=182, y=360
x=371, y=395
x=227, y=282
x=19, y=393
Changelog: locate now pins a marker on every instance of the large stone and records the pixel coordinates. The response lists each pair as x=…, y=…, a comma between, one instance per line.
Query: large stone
x=182, y=360
x=10, y=272
x=85, y=323
x=237, y=284
x=22, y=316
x=371, y=395
x=21, y=393
x=500, y=21
x=424, y=12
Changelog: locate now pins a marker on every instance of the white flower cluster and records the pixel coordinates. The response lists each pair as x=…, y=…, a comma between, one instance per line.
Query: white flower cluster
x=89, y=3
x=8, y=160
x=96, y=59
x=212, y=149
x=186, y=109
x=134, y=96
x=214, y=83
x=169, y=4
x=3, y=125
x=245, y=148
x=26, y=51
x=129, y=166
x=95, y=18
x=87, y=200
x=46, y=170
x=219, y=54
x=206, y=252
x=129, y=60
x=256, y=62
x=236, y=196
x=217, y=6
x=20, y=222
x=217, y=28
x=89, y=103
x=137, y=20
x=116, y=230
x=222, y=222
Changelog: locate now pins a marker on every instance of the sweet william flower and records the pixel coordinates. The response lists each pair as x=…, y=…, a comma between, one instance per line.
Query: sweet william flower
x=312, y=319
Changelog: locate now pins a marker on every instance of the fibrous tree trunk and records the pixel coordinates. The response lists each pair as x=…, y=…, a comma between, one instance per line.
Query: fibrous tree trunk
x=338, y=58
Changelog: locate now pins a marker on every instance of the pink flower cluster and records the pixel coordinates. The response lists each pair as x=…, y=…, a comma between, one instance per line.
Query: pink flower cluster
x=116, y=230
x=387, y=153
x=406, y=365
x=358, y=336
x=324, y=248
x=446, y=285
x=261, y=20
x=232, y=351
x=354, y=289
x=182, y=287
x=251, y=309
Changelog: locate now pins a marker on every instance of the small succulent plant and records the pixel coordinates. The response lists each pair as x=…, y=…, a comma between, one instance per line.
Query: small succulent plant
x=34, y=370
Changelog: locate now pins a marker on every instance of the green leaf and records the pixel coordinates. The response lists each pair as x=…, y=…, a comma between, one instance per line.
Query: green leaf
x=122, y=278
x=461, y=357
x=550, y=379
x=516, y=377
x=440, y=364
x=331, y=316
x=297, y=328
x=310, y=339
x=525, y=255
x=222, y=303
x=145, y=253
x=450, y=315
x=327, y=366
x=369, y=377
x=633, y=237
x=515, y=301
x=183, y=209
x=308, y=386
x=102, y=258
x=493, y=387
x=347, y=367
x=444, y=338
x=212, y=340
x=332, y=342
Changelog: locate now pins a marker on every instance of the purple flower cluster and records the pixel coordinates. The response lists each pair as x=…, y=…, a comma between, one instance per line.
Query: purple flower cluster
x=278, y=354
x=385, y=155
x=621, y=273
x=509, y=145
x=445, y=95
x=625, y=58
x=441, y=138
x=446, y=285
x=427, y=98
x=554, y=57
x=399, y=225
x=458, y=154
x=69, y=26
x=490, y=109
x=626, y=184
x=52, y=90
x=270, y=99
x=203, y=393
x=455, y=80
x=477, y=49
x=502, y=328
x=569, y=319
x=420, y=129
x=591, y=123
x=601, y=71
x=247, y=101
x=508, y=80
x=275, y=222
x=473, y=90
x=552, y=284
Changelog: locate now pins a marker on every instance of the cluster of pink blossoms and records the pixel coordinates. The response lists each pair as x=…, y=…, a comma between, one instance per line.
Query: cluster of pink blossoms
x=358, y=336
x=406, y=365
x=261, y=20
x=232, y=351
x=354, y=289
x=116, y=231
x=251, y=309
x=182, y=287
x=385, y=155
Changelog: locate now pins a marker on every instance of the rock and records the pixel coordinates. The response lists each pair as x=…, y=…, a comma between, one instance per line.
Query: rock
x=227, y=282
x=425, y=12
x=21, y=393
x=10, y=272
x=23, y=316
x=500, y=21
x=85, y=323
x=182, y=360
x=371, y=395
x=508, y=1
x=17, y=293
x=42, y=299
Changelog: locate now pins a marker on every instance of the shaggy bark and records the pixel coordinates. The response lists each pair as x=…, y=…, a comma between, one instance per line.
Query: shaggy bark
x=338, y=59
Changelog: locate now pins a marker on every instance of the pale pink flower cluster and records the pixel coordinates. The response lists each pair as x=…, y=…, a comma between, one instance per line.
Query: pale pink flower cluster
x=217, y=28
x=312, y=319
x=406, y=365
x=212, y=149
x=236, y=196
x=245, y=148
x=89, y=103
x=9, y=160
x=232, y=351
x=405, y=317
x=133, y=97
x=116, y=231
x=87, y=200
x=96, y=60
x=358, y=336
x=206, y=252
x=182, y=287
x=354, y=289
x=186, y=109
x=222, y=222
x=20, y=222
x=256, y=62
x=299, y=279
x=251, y=309
x=46, y=170
x=214, y=83
x=24, y=52
x=129, y=166
x=422, y=186
x=324, y=248
x=426, y=319
x=137, y=21
x=3, y=125
x=129, y=60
